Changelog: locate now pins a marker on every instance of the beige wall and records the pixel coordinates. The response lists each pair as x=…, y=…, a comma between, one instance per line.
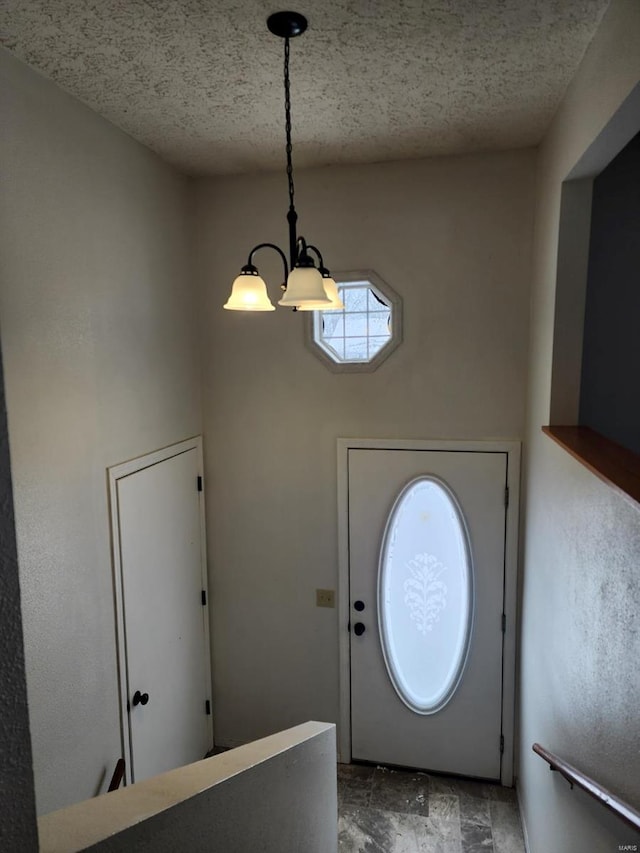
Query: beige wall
x=97, y=332
x=580, y=690
x=452, y=237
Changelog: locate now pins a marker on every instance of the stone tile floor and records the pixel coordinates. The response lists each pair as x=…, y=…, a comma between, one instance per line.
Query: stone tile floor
x=395, y=811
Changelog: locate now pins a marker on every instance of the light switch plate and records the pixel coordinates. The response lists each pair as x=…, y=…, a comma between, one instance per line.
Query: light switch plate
x=325, y=598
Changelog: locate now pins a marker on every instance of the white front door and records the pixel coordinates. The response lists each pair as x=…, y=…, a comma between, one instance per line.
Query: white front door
x=165, y=666
x=427, y=573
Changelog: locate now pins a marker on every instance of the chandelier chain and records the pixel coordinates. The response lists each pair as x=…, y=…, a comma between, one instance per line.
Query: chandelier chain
x=287, y=113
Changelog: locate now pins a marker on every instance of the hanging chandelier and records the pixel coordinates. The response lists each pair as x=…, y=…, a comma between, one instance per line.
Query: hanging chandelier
x=306, y=287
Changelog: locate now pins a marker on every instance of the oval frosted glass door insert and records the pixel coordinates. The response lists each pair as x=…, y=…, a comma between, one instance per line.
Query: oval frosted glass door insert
x=425, y=595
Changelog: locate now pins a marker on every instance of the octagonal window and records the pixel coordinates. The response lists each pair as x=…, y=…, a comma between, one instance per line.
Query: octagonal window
x=360, y=336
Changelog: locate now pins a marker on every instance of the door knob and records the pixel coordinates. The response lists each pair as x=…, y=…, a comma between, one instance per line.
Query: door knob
x=359, y=629
x=358, y=605
x=140, y=698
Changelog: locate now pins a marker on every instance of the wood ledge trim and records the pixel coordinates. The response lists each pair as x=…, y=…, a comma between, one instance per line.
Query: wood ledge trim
x=611, y=462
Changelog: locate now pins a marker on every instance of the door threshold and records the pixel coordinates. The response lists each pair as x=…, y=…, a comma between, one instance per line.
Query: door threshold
x=425, y=771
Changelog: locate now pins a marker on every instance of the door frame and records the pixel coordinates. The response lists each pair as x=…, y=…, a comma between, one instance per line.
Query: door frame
x=115, y=473
x=512, y=449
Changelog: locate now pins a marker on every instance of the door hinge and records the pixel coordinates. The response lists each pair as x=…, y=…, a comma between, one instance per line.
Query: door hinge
x=506, y=496
x=207, y=708
x=199, y=483
x=501, y=744
x=504, y=623
x=204, y=597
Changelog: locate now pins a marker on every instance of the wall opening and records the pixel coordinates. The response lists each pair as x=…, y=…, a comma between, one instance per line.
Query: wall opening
x=594, y=412
x=610, y=375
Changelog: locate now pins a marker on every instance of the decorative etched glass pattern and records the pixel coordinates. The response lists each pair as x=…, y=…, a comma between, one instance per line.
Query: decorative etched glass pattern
x=425, y=595
x=357, y=333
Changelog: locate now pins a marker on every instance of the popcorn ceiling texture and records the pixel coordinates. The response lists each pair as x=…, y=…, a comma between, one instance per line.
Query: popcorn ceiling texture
x=17, y=801
x=200, y=82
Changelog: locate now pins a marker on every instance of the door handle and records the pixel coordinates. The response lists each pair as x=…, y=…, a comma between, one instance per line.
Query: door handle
x=140, y=698
x=359, y=629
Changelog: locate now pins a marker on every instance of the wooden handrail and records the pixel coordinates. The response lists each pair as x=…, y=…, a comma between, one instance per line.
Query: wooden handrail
x=574, y=776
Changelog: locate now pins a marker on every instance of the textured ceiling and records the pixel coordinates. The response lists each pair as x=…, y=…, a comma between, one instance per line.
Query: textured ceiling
x=200, y=82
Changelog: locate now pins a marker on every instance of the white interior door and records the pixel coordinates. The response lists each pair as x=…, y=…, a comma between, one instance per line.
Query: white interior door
x=166, y=666
x=427, y=573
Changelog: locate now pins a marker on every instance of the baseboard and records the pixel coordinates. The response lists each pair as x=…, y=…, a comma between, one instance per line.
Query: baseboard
x=525, y=834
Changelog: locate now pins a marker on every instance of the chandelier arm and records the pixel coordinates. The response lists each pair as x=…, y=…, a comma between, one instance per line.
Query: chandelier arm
x=302, y=255
x=277, y=249
x=318, y=254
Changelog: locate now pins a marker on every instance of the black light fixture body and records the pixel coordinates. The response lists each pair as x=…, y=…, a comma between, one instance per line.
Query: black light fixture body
x=305, y=286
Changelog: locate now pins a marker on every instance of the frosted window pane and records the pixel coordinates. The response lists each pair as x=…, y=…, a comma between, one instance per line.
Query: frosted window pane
x=355, y=298
x=333, y=324
x=355, y=325
x=376, y=301
x=425, y=595
x=379, y=324
x=355, y=349
x=336, y=346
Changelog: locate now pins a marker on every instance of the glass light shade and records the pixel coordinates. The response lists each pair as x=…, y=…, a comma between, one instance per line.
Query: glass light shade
x=304, y=285
x=249, y=293
x=331, y=289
